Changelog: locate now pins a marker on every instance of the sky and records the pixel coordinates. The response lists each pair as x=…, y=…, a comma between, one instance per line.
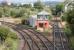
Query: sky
x=28, y=1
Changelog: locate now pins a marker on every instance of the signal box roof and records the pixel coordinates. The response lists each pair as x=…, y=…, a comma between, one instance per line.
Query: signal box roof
x=43, y=13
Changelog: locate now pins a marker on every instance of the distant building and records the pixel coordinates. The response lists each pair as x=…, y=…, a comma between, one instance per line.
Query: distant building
x=40, y=21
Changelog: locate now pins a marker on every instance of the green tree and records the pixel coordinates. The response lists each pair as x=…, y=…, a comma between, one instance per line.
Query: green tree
x=1, y=11
x=6, y=33
x=70, y=19
x=3, y=33
x=70, y=16
x=27, y=5
x=59, y=9
x=38, y=5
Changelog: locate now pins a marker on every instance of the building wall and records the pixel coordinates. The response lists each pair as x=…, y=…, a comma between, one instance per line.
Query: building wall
x=40, y=21
x=45, y=24
x=32, y=21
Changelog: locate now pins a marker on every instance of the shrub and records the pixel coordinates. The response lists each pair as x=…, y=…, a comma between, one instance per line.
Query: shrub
x=6, y=33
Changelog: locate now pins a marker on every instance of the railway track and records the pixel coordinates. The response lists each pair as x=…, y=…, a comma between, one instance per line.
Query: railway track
x=37, y=41
x=26, y=37
x=41, y=37
x=60, y=41
x=31, y=37
x=44, y=39
x=14, y=28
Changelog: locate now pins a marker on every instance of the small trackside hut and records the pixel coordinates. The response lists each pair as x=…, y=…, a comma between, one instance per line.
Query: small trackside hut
x=40, y=21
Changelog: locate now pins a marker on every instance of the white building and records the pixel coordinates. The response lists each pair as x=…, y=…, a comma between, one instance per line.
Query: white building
x=40, y=20
x=32, y=20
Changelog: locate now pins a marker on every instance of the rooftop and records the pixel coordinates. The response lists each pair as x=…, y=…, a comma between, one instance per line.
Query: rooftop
x=43, y=13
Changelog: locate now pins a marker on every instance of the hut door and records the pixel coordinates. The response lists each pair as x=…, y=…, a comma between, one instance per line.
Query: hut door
x=41, y=25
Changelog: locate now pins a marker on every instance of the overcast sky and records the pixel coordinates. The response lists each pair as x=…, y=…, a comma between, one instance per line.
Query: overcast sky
x=27, y=1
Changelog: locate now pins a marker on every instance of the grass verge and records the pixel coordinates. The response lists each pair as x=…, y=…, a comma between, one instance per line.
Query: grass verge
x=9, y=39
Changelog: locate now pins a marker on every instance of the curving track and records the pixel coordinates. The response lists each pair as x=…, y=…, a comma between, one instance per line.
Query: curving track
x=35, y=40
x=26, y=37
x=40, y=37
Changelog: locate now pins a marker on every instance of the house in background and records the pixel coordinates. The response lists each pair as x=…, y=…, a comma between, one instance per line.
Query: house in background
x=40, y=21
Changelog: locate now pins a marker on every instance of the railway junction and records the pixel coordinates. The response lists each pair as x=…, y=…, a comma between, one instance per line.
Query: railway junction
x=33, y=40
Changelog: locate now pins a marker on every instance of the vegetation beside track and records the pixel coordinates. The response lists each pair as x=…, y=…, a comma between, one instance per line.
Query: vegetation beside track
x=8, y=39
x=70, y=36
x=69, y=27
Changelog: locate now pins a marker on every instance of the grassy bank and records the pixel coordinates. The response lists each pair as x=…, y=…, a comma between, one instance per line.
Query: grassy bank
x=70, y=35
x=9, y=40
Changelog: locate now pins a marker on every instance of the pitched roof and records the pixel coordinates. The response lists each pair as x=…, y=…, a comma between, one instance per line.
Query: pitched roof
x=43, y=13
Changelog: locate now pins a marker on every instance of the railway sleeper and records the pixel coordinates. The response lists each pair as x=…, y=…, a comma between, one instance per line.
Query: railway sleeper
x=59, y=48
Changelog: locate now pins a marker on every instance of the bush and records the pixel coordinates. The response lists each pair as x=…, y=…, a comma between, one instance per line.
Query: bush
x=67, y=31
x=25, y=22
x=38, y=5
x=3, y=33
x=8, y=38
x=6, y=33
x=70, y=29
